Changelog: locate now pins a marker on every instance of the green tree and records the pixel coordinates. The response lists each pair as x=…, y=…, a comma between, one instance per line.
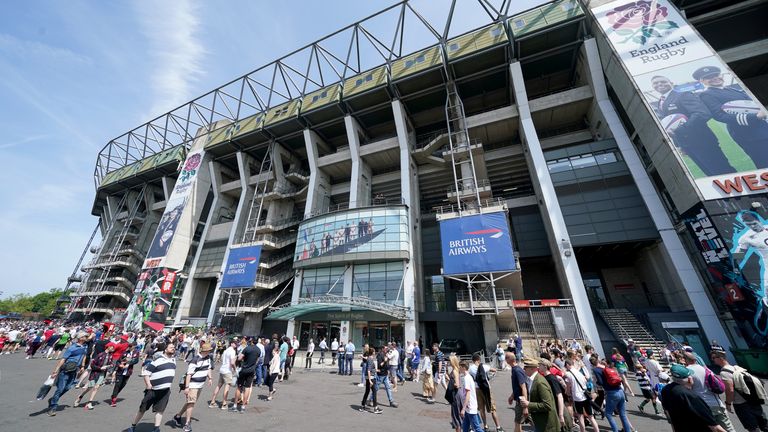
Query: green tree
x=42, y=303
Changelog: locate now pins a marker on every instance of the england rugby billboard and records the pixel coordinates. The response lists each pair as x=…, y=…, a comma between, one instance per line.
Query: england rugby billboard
x=477, y=244
x=717, y=128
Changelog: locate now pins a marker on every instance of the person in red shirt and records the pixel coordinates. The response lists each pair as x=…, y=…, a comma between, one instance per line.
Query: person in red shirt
x=119, y=350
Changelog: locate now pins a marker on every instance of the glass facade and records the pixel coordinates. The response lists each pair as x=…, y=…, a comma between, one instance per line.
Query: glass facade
x=322, y=281
x=379, y=281
x=374, y=229
x=434, y=294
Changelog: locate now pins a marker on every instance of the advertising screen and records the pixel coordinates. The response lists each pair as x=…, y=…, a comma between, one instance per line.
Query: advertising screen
x=353, y=231
x=151, y=299
x=242, y=267
x=477, y=244
x=717, y=128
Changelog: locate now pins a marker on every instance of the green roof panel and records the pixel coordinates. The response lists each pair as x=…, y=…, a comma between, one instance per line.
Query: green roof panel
x=544, y=16
x=282, y=112
x=476, y=41
x=321, y=97
x=416, y=62
x=360, y=83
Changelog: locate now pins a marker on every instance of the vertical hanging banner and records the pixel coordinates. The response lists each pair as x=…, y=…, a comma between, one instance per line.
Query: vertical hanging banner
x=732, y=239
x=715, y=125
x=171, y=243
x=477, y=244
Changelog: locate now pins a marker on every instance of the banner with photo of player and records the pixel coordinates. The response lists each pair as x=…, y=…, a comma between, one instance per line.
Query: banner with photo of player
x=716, y=126
x=151, y=299
x=732, y=238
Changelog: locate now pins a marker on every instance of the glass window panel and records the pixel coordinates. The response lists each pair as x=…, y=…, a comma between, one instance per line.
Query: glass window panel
x=559, y=166
x=583, y=161
x=605, y=158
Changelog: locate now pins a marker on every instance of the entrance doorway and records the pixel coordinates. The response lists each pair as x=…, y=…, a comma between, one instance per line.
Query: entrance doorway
x=595, y=291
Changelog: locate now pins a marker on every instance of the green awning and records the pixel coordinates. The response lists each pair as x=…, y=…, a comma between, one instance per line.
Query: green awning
x=334, y=303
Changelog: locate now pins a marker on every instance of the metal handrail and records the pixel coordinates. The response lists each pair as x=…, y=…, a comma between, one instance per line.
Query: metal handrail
x=424, y=139
x=477, y=184
x=484, y=203
x=346, y=206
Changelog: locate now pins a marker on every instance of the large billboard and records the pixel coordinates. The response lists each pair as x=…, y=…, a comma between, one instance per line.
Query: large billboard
x=372, y=229
x=477, y=244
x=242, y=267
x=732, y=239
x=151, y=299
x=717, y=128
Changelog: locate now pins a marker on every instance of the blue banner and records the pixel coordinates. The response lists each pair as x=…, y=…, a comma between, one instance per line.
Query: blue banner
x=477, y=244
x=242, y=266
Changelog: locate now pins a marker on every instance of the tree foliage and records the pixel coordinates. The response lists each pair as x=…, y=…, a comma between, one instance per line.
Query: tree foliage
x=42, y=303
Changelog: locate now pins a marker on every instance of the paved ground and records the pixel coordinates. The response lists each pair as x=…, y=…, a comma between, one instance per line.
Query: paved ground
x=316, y=400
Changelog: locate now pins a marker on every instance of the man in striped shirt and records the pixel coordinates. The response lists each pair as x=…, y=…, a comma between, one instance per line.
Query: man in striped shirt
x=158, y=378
x=198, y=373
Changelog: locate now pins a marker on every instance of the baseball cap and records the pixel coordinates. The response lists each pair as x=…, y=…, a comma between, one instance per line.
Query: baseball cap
x=663, y=376
x=687, y=348
x=706, y=72
x=679, y=371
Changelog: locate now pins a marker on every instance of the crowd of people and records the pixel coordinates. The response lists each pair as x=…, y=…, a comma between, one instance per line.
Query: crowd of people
x=565, y=387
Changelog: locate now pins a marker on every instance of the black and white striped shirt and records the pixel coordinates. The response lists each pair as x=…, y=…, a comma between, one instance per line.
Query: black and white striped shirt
x=161, y=372
x=198, y=368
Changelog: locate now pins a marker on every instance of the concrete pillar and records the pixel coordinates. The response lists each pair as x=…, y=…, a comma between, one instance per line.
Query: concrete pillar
x=409, y=187
x=319, y=192
x=672, y=245
x=279, y=209
x=557, y=233
x=168, y=184
x=241, y=214
x=360, y=181
x=192, y=283
x=490, y=333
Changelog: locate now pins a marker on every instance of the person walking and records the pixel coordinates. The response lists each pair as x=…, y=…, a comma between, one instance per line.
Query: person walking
x=342, y=361
x=382, y=376
x=641, y=374
x=349, y=356
x=295, y=345
x=66, y=370
x=274, y=371
x=310, y=351
x=393, y=358
x=123, y=372
x=615, y=396
x=248, y=360
x=260, y=370
x=100, y=364
x=452, y=394
x=744, y=394
x=198, y=373
x=519, y=389
x=558, y=386
x=540, y=402
x=485, y=400
x=415, y=361
x=334, y=351
x=158, y=378
x=621, y=367
x=686, y=410
x=471, y=418
x=428, y=383
x=285, y=347
x=323, y=348
x=369, y=383
x=701, y=376
x=226, y=371
x=577, y=390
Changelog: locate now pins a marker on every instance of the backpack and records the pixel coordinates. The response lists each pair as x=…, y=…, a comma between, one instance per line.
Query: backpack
x=612, y=377
x=713, y=382
x=755, y=396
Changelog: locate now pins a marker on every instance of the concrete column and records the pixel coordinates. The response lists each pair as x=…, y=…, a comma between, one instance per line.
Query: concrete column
x=319, y=192
x=490, y=332
x=557, y=233
x=168, y=184
x=360, y=182
x=689, y=278
x=279, y=209
x=240, y=215
x=191, y=285
x=409, y=187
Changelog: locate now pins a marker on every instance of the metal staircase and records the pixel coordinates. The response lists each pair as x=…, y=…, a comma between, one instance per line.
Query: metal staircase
x=259, y=193
x=116, y=249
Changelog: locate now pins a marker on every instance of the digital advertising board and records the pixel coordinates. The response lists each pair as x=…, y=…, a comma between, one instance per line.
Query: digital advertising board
x=477, y=244
x=242, y=267
x=716, y=126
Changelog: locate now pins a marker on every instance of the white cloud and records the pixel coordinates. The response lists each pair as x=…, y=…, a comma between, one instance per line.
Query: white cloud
x=176, y=51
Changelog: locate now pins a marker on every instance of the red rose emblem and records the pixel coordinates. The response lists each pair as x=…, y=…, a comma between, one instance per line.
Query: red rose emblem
x=636, y=15
x=193, y=162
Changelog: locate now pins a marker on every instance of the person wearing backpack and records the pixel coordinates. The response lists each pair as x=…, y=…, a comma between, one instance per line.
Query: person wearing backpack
x=708, y=386
x=744, y=394
x=614, y=397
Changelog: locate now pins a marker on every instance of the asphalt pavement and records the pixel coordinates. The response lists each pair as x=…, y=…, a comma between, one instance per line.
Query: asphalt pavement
x=315, y=400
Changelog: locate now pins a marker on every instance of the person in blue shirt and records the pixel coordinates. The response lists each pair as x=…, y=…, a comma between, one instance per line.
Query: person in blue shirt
x=349, y=351
x=415, y=362
x=66, y=371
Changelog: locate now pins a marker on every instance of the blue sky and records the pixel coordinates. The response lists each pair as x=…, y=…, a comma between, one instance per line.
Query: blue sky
x=75, y=74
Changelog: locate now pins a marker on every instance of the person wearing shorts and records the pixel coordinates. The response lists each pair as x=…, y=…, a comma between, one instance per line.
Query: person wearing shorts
x=226, y=374
x=198, y=373
x=248, y=360
x=100, y=364
x=577, y=389
x=158, y=379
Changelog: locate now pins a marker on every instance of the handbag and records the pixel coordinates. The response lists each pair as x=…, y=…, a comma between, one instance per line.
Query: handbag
x=587, y=393
x=45, y=388
x=70, y=367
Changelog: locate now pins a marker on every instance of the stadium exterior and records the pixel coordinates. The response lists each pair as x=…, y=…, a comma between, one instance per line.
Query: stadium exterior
x=324, y=178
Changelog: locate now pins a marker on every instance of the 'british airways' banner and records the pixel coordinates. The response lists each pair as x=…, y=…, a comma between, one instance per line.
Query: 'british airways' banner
x=477, y=244
x=242, y=266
